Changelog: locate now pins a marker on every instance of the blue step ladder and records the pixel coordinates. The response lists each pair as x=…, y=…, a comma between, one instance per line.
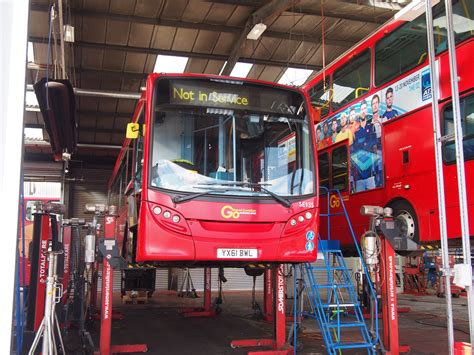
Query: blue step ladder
x=334, y=302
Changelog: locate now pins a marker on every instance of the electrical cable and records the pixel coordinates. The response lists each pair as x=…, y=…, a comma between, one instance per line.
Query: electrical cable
x=432, y=316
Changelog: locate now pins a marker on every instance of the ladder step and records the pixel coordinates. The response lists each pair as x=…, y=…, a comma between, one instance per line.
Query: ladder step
x=346, y=325
x=335, y=251
x=354, y=345
x=331, y=214
x=333, y=286
x=338, y=305
x=323, y=268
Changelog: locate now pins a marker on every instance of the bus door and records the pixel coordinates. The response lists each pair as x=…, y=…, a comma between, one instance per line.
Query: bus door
x=333, y=164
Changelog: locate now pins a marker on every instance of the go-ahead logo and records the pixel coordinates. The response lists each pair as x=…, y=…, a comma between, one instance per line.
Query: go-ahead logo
x=231, y=212
x=334, y=201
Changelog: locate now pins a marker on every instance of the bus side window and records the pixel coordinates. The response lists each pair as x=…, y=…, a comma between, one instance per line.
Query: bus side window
x=351, y=80
x=463, y=12
x=339, y=168
x=400, y=51
x=467, y=122
x=320, y=96
x=323, y=166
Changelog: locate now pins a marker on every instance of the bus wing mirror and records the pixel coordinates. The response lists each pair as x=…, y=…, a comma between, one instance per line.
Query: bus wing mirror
x=133, y=130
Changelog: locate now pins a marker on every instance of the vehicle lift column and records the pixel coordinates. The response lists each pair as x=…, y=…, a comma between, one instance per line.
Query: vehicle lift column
x=111, y=260
x=385, y=227
x=268, y=295
x=278, y=343
x=206, y=310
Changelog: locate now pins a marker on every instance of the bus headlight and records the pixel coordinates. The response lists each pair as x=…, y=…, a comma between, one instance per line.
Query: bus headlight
x=157, y=210
x=176, y=219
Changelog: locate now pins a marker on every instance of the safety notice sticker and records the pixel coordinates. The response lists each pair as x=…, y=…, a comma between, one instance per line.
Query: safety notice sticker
x=309, y=235
x=310, y=246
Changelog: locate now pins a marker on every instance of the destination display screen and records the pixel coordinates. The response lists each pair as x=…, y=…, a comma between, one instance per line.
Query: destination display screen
x=220, y=94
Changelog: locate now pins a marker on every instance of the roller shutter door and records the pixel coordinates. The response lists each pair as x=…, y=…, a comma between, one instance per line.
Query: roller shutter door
x=237, y=279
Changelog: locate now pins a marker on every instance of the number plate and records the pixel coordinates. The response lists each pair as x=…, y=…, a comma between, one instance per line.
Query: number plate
x=237, y=254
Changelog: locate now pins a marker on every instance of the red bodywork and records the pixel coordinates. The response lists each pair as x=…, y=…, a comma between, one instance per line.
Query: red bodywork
x=206, y=226
x=413, y=181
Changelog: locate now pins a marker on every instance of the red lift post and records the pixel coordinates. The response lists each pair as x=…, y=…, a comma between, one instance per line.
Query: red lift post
x=389, y=301
x=111, y=252
x=206, y=310
x=39, y=267
x=278, y=343
x=268, y=296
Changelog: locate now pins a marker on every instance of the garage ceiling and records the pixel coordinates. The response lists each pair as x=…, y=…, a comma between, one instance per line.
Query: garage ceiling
x=117, y=43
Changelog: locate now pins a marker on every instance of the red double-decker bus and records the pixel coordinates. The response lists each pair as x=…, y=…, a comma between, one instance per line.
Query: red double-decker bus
x=223, y=171
x=375, y=136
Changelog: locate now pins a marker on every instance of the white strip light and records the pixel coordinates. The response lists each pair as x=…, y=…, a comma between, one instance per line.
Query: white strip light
x=413, y=10
x=256, y=31
x=170, y=64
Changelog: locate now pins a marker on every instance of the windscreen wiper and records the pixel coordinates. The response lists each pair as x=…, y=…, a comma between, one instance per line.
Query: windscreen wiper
x=180, y=199
x=285, y=202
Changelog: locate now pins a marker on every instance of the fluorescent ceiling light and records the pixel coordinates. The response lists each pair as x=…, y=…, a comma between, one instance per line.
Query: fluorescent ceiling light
x=294, y=76
x=170, y=64
x=413, y=10
x=241, y=70
x=33, y=133
x=256, y=31
x=31, y=53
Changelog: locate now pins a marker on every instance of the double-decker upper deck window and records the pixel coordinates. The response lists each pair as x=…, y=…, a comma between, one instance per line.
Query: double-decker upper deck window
x=351, y=81
x=320, y=96
x=400, y=51
x=467, y=121
x=463, y=23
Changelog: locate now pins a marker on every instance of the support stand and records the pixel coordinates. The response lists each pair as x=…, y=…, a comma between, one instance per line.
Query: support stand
x=111, y=259
x=268, y=296
x=50, y=322
x=206, y=310
x=278, y=343
x=389, y=301
x=188, y=283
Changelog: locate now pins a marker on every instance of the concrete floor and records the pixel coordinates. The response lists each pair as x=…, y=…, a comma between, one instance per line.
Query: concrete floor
x=159, y=324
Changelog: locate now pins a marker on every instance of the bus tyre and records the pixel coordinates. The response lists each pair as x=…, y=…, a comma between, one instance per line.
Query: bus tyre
x=407, y=220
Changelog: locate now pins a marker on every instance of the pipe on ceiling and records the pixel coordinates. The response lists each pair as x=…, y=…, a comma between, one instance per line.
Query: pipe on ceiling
x=101, y=93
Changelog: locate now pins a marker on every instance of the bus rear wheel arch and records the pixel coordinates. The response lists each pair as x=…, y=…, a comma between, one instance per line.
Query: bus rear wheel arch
x=406, y=218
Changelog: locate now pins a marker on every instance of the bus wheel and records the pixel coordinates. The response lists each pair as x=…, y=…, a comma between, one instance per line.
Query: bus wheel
x=406, y=218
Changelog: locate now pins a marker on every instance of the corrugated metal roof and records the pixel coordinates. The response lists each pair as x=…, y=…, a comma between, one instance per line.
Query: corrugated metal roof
x=117, y=42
